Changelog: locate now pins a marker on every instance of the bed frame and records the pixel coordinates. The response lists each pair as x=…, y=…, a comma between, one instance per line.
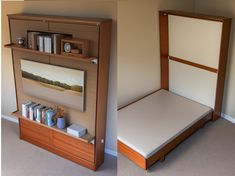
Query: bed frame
x=165, y=59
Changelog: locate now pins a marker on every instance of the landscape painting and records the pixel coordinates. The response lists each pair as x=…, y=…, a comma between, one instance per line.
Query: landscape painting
x=60, y=85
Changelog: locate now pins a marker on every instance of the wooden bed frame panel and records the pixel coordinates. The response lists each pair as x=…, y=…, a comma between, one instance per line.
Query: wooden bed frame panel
x=160, y=155
x=164, y=63
x=132, y=155
x=164, y=53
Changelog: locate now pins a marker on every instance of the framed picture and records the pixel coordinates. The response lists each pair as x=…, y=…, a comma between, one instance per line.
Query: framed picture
x=64, y=86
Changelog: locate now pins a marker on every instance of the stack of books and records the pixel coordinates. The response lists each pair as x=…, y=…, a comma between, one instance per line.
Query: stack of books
x=45, y=42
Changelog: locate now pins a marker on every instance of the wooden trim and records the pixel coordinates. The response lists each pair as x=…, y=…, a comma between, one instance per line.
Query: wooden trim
x=138, y=100
x=102, y=90
x=15, y=47
x=159, y=155
x=195, y=15
x=58, y=19
x=222, y=67
x=164, y=50
x=132, y=155
x=13, y=66
x=183, y=61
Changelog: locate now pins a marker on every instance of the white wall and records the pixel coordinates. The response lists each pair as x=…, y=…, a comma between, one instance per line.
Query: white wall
x=224, y=8
x=138, y=46
x=83, y=8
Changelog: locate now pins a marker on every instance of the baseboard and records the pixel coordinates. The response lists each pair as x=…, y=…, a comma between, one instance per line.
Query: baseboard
x=12, y=119
x=229, y=118
x=110, y=152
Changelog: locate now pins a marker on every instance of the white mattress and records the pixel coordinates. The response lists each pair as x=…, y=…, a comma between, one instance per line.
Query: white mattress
x=149, y=124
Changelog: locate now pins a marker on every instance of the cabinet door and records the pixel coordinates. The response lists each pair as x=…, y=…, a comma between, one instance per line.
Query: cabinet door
x=88, y=32
x=19, y=28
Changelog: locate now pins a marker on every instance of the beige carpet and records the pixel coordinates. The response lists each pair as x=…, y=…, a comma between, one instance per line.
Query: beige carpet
x=20, y=158
x=209, y=152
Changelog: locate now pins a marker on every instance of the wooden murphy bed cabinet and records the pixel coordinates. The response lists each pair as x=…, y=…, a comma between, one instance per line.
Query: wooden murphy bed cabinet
x=96, y=67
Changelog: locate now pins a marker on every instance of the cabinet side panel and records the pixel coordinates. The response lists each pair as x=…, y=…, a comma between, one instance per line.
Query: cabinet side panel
x=102, y=90
x=226, y=28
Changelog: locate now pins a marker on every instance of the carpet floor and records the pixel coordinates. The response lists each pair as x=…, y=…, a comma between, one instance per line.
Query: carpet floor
x=208, y=152
x=20, y=158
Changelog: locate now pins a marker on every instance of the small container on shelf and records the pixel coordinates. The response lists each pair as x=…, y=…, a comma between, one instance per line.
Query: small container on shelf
x=74, y=47
x=60, y=118
x=76, y=130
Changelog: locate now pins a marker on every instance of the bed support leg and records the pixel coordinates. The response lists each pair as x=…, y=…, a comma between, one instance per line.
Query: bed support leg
x=162, y=159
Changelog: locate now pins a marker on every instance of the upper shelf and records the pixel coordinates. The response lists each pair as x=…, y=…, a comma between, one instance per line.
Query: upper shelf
x=83, y=59
x=60, y=19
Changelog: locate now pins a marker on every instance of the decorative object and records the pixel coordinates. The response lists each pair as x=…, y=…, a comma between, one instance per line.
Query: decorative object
x=60, y=118
x=76, y=130
x=67, y=47
x=57, y=84
x=20, y=41
x=61, y=122
x=75, y=47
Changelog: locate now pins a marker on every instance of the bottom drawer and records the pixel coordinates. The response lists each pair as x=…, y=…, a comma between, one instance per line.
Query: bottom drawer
x=64, y=145
x=35, y=132
x=73, y=146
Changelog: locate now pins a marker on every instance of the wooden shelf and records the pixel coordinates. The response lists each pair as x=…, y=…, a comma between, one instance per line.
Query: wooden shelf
x=16, y=47
x=86, y=138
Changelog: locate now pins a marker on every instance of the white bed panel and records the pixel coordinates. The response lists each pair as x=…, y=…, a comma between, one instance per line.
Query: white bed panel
x=149, y=124
x=193, y=83
x=195, y=40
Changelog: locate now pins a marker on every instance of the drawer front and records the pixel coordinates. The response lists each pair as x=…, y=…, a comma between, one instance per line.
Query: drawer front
x=35, y=132
x=73, y=146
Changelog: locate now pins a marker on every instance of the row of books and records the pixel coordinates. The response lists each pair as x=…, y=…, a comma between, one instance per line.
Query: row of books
x=37, y=112
x=45, y=42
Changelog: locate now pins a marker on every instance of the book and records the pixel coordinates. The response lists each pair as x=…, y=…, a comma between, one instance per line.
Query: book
x=44, y=111
x=25, y=109
x=31, y=110
x=47, y=44
x=57, y=43
x=40, y=42
x=39, y=113
x=32, y=40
